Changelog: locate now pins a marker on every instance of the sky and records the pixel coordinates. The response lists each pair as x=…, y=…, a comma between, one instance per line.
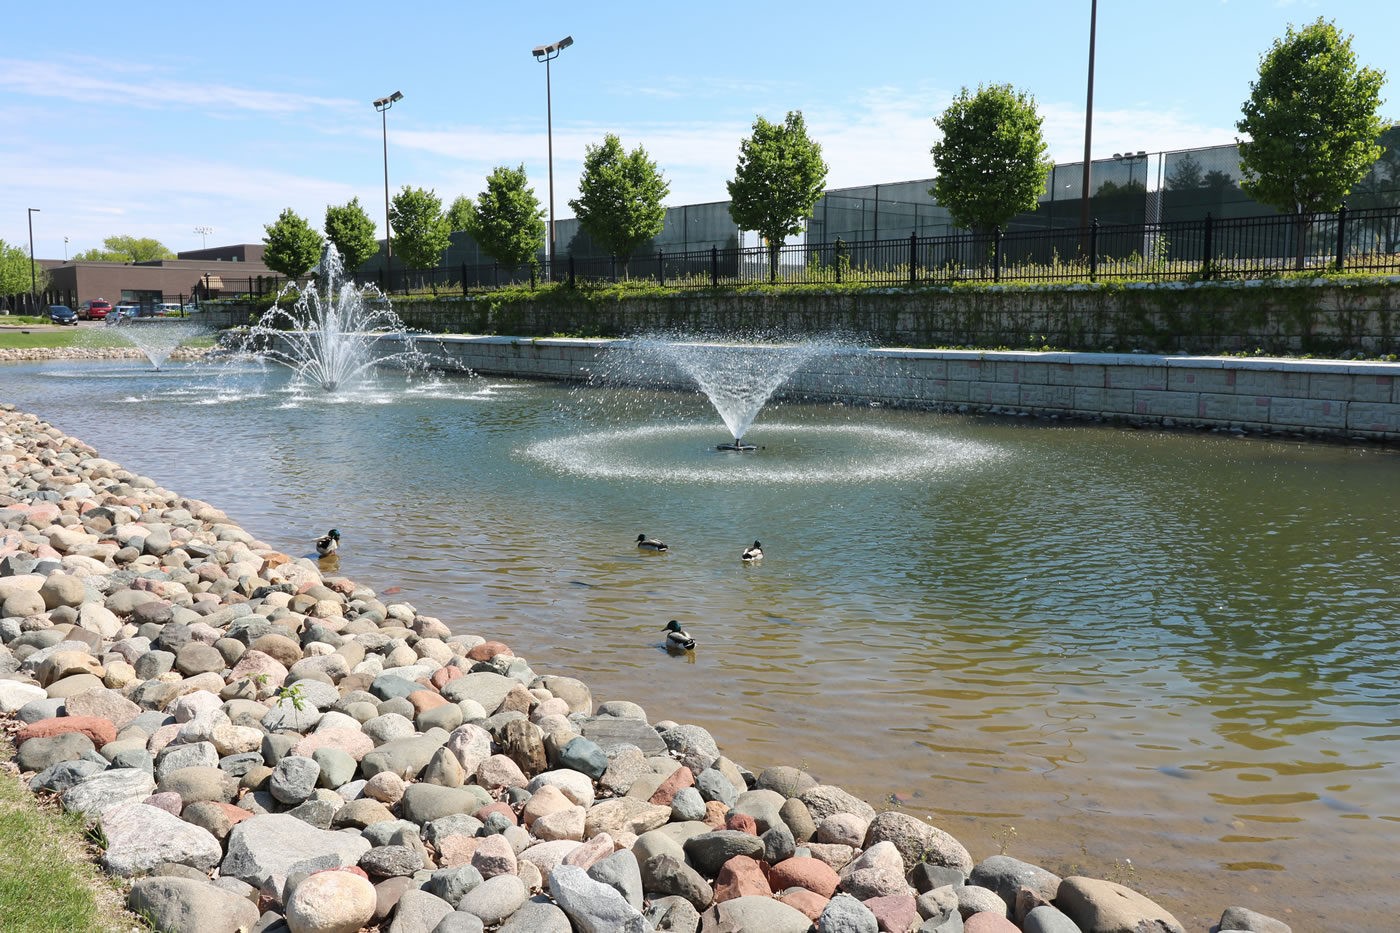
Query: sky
x=158, y=118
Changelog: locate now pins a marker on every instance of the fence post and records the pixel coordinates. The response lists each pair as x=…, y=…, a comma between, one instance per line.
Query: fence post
x=1341, y=236
x=996, y=253
x=714, y=266
x=1094, y=250
x=913, y=258
x=840, y=254
x=612, y=267
x=532, y=276
x=661, y=266
x=571, y=270
x=1206, y=249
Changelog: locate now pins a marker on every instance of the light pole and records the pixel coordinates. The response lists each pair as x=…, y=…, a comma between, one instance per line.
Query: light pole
x=33, y=279
x=547, y=54
x=1088, y=117
x=383, y=105
x=203, y=232
x=65, y=249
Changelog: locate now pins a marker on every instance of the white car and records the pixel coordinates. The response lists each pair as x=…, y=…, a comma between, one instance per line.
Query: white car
x=169, y=309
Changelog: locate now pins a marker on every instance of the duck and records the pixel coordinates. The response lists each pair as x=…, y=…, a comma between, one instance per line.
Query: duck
x=328, y=543
x=676, y=637
x=650, y=544
x=753, y=553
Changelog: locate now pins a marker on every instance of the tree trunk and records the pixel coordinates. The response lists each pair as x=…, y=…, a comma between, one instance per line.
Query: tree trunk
x=773, y=260
x=1301, y=252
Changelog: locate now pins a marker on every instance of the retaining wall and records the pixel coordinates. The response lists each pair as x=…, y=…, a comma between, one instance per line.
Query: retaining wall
x=1310, y=397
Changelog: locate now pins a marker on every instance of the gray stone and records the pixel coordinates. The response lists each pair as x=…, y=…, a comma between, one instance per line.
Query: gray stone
x=673, y=915
x=278, y=844
x=452, y=884
x=389, y=832
x=1006, y=875
x=825, y=799
x=315, y=812
x=696, y=747
x=458, y=922
x=454, y=824
x=621, y=872
x=276, y=747
x=798, y=819
x=610, y=732
x=43, y=753
x=194, y=755
x=107, y=789
x=755, y=912
x=1242, y=918
x=418, y=912
x=926, y=876
x=59, y=777
x=239, y=765
x=183, y=905
x=713, y=785
x=917, y=841
x=624, y=768
x=1047, y=919
x=140, y=837
x=494, y=899
x=337, y=767
x=404, y=757
x=790, y=782
x=198, y=658
x=154, y=663
x=387, y=727
x=709, y=851
x=845, y=914
x=592, y=907
x=688, y=805
x=952, y=923
x=426, y=803
x=778, y=844
x=584, y=755
x=391, y=861
x=444, y=770
x=763, y=805
x=537, y=915
x=666, y=874
x=285, y=717
x=195, y=784
x=389, y=686
x=484, y=687
x=45, y=708
x=1095, y=904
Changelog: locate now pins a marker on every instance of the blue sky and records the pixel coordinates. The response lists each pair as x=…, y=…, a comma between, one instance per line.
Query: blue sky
x=153, y=119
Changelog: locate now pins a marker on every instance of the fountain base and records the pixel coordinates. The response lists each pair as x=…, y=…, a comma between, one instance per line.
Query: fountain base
x=737, y=445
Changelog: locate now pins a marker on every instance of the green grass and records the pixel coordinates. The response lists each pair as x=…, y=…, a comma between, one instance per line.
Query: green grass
x=22, y=319
x=47, y=884
x=54, y=338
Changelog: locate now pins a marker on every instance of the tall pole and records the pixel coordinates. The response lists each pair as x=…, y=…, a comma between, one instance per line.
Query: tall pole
x=1088, y=117
x=33, y=278
x=549, y=131
x=388, y=234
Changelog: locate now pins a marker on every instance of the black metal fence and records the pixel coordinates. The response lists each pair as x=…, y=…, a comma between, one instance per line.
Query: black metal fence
x=1243, y=247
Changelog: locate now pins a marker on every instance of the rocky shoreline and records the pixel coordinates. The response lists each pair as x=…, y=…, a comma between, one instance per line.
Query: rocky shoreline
x=266, y=747
x=30, y=354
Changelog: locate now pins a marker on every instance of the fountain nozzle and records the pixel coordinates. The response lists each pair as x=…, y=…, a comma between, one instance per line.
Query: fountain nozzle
x=737, y=445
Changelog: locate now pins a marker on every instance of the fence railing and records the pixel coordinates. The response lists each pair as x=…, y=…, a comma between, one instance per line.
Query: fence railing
x=1249, y=247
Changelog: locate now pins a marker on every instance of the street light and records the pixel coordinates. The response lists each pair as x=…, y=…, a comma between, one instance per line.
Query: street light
x=547, y=54
x=33, y=279
x=383, y=105
x=203, y=232
x=1088, y=117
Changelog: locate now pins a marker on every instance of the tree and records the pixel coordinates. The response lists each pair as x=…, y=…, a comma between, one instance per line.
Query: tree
x=123, y=248
x=352, y=232
x=620, y=195
x=991, y=162
x=293, y=247
x=1186, y=176
x=15, y=272
x=420, y=230
x=506, y=221
x=1381, y=188
x=777, y=181
x=1312, y=122
x=459, y=215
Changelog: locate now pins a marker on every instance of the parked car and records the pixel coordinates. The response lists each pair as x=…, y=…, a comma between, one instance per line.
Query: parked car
x=169, y=309
x=123, y=313
x=94, y=310
x=192, y=308
x=62, y=314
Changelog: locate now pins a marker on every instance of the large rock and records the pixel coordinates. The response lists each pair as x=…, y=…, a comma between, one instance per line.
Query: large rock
x=484, y=687
x=759, y=913
x=1242, y=918
x=917, y=841
x=43, y=753
x=494, y=899
x=810, y=873
x=845, y=914
x=140, y=837
x=695, y=746
x=331, y=902
x=609, y=732
x=666, y=874
x=405, y=757
x=1006, y=875
x=879, y=872
x=621, y=872
x=419, y=912
x=200, y=783
x=593, y=907
x=826, y=799
x=103, y=704
x=423, y=803
x=1047, y=919
x=624, y=814
x=184, y=905
x=537, y=915
x=277, y=844
x=709, y=851
x=107, y=789
x=1104, y=907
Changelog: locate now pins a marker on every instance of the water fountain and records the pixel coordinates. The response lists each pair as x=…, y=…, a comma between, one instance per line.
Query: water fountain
x=330, y=340
x=157, y=339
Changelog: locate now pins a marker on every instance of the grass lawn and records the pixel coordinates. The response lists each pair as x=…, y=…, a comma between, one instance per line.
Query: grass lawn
x=47, y=884
x=11, y=340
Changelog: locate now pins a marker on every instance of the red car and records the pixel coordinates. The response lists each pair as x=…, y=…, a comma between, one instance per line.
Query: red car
x=94, y=310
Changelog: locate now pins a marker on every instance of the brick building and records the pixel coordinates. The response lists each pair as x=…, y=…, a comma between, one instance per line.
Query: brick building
x=222, y=270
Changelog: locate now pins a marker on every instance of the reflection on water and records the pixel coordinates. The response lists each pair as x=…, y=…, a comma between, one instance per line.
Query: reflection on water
x=1164, y=647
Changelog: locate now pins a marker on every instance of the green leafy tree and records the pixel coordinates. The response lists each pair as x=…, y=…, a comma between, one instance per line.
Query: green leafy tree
x=293, y=247
x=459, y=215
x=1312, y=122
x=127, y=249
x=1381, y=188
x=779, y=177
x=352, y=232
x=1186, y=175
x=420, y=230
x=620, y=195
x=15, y=274
x=506, y=221
x=991, y=161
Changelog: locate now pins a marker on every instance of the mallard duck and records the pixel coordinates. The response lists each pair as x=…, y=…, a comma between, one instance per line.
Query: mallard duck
x=753, y=553
x=650, y=544
x=327, y=543
x=677, y=638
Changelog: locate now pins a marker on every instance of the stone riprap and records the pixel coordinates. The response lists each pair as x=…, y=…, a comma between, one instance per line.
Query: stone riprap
x=20, y=354
x=265, y=744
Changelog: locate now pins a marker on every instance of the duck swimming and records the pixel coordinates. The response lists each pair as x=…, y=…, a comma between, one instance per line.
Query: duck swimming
x=649, y=544
x=328, y=543
x=677, y=638
x=753, y=553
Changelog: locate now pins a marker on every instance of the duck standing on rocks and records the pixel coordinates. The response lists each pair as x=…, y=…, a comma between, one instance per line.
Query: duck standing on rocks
x=649, y=544
x=754, y=553
x=328, y=543
x=677, y=638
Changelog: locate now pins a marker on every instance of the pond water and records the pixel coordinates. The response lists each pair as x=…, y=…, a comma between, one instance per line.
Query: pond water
x=1163, y=658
